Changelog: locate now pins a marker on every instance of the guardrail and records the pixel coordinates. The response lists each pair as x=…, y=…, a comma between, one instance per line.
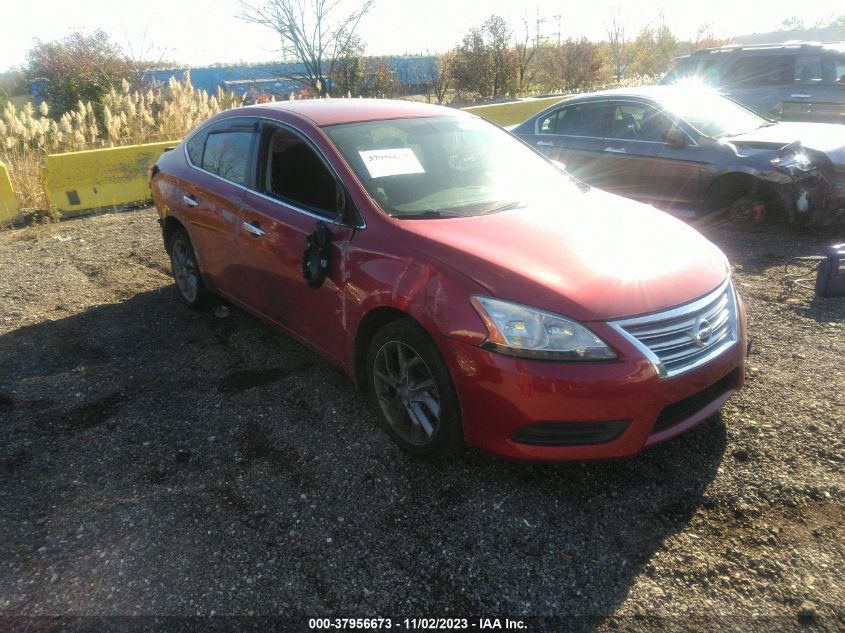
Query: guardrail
x=77, y=182
x=8, y=200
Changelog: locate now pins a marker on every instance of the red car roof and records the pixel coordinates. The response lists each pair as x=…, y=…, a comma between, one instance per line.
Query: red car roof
x=333, y=111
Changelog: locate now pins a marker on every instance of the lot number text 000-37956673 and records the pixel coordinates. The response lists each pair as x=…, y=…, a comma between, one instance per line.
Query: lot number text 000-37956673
x=430, y=624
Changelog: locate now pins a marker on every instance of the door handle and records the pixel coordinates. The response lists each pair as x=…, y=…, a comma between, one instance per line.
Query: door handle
x=254, y=229
x=189, y=200
x=545, y=144
x=615, y=150
x=800, y=95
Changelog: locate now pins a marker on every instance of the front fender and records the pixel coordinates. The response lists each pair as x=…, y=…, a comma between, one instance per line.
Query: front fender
x=433, y=294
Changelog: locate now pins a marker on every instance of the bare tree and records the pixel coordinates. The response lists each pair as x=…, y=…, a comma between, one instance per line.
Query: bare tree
x=314, y=30
x=525, y=55
x=620, y=47
x=144, y=57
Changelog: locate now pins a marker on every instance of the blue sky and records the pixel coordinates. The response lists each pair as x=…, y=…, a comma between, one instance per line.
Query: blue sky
x=200, y=32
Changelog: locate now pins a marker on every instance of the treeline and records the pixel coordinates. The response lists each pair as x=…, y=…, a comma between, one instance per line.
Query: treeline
x=491, y=62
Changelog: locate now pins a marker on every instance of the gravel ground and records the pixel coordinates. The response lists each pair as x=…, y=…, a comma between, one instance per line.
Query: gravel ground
x=160, y=461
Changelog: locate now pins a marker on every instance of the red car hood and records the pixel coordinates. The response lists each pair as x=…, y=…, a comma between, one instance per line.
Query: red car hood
x=607, y=258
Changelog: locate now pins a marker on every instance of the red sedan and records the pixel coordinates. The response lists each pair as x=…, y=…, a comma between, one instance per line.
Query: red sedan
x=479, y=293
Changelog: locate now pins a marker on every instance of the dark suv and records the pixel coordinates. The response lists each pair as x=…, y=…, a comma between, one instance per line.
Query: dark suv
x=788, y=82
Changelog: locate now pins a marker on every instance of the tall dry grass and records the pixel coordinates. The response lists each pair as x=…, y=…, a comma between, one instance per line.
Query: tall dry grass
x=128, y=117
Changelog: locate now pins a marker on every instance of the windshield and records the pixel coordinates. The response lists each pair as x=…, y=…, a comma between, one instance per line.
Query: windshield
x=447, y=167
x=710, y=113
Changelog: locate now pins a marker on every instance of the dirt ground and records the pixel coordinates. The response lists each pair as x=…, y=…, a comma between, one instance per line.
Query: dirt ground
x=158, y=461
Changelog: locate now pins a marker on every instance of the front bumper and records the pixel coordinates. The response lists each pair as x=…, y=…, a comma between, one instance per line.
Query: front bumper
x=502, y=397
x=816, y=196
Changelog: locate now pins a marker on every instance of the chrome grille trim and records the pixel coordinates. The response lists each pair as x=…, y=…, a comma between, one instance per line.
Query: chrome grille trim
x=668, y=338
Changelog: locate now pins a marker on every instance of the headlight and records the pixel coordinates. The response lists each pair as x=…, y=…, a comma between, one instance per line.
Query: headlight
x=799, y=161
x=519, y=330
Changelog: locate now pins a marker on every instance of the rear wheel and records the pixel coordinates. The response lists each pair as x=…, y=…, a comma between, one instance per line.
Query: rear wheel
x=186, y=272
x=410, y=382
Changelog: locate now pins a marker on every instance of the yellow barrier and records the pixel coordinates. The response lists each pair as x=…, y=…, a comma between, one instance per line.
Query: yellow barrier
x=97, y=178
x=8, y=200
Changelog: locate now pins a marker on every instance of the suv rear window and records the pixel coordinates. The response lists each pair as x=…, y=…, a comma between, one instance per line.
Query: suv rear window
x=684, y=68
x=818, y=70
x=760, y=70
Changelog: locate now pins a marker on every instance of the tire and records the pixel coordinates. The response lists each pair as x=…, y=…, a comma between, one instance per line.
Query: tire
x=186, y=272
x=413, y=391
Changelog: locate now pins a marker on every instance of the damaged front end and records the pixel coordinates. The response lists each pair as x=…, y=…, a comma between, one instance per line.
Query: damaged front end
x=814, y=192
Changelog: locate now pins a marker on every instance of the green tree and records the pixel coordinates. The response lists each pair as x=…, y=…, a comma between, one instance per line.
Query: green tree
x=349, y=72
x=442, y=75
x=653, y=50
x=484, y=63
x=796, y=23
x=77, y=68
x=793, y=23
x=381, y=80
x=473, y=65
x=13, y=83
x=573, y=65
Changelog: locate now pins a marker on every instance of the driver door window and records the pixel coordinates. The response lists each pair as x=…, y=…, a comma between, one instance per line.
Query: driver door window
x=640, y=164
x=639, y=122
x=293, y=172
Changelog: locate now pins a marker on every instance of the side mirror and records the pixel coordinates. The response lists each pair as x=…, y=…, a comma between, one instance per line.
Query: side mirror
x=676, y=138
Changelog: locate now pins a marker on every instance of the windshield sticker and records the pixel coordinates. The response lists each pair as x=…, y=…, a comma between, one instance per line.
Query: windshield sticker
x=391, y=162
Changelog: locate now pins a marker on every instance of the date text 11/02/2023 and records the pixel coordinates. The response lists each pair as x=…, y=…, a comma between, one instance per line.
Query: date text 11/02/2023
x=428, y=624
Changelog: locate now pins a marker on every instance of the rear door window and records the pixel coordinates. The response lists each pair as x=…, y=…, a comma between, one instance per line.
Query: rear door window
x=195, y=146
x=225, y=149
x=585, y=119
x=227, y=154
x=547, y=123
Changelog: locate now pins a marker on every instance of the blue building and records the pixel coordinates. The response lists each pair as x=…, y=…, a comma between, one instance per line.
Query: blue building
x=279, y=79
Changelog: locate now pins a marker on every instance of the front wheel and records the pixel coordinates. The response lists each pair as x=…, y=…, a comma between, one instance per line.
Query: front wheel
x=747, y=210
x=416, y=399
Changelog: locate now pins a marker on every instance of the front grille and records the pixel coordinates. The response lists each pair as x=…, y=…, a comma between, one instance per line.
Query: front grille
x=684, y=409
x=683, y=338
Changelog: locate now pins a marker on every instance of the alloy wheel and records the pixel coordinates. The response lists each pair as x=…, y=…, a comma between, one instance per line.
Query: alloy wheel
x=185, y=270
x=406, y=393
